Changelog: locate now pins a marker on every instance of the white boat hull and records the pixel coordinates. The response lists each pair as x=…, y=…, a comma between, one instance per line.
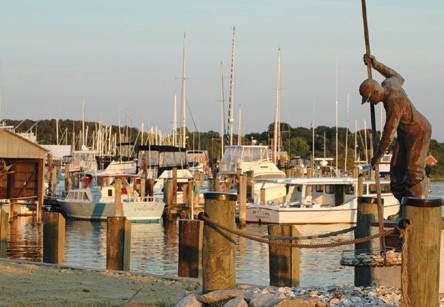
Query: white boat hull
x=343, y=214
x=138, y=211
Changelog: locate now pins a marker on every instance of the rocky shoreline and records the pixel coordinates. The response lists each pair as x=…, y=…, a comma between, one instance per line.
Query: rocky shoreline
x=33, y=284
x=337, y=295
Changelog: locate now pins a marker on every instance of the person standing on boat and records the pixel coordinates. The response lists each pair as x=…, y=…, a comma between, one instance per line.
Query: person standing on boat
x=407, y=167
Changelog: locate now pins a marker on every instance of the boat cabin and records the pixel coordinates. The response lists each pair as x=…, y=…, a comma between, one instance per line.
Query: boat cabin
x=328, y=193
x=256, y=158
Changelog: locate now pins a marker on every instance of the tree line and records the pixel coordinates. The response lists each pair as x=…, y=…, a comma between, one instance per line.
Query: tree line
x=352, y=147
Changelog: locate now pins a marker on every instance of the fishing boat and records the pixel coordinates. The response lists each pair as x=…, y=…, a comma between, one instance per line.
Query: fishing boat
x=321, y=200
x=254, y=160
x=95, y=200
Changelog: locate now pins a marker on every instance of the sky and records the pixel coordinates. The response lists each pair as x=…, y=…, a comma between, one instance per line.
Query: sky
x=125, y=59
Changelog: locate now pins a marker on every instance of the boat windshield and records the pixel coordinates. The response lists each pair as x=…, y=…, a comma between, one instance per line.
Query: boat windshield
x=237, y=154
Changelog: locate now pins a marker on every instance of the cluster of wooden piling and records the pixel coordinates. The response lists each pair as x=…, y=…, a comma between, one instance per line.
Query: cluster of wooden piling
x=216, y=265
x=208, y=252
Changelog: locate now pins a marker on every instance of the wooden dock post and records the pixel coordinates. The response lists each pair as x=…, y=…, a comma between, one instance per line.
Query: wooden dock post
x=190, y=248
x=168, y=197
x=211, y=185
x=367, y=214
x=284, y=261
x=4, y=233
x=118, y=197
x=217, y=186
x=191, y=198
x=174, y=172
x=243, y=200
x=423, y=252
x=151, y=189
x=262, y=197
x=118, y=244
x=219, y=247
x=250, y=185
x=360, y=185
x=68, y=183
x=53, y=238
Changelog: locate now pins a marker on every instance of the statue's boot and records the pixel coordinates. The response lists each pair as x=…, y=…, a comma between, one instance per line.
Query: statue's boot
x=420, y=190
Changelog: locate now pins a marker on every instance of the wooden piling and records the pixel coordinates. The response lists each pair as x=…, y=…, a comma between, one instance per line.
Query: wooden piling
x=360, y=185
x=118, y=197
x=211, y=185
x=367, y=214
x=4, y=233
x=190, y=248
x=53, y=238
x=243, y=200
x=250, y=185
x=262, y=197
x=219, y=247
x=217, y=187
x=143, y=187
x=191, y=198
x=174, y=171
x=118, y=244
x=67, y=178
x=51, y=174
x=421, y=284
x=168, y=197
x=284, y=262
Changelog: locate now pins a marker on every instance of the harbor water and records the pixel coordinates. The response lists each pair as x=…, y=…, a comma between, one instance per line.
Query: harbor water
x=154, y=249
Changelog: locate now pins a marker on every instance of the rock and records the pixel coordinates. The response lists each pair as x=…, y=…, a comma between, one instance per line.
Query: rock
x=355, y=299
x=236, y=302
x=262, y=300
x=189, y=301
x=299, y=302
x=218, y=295
x=334, y=301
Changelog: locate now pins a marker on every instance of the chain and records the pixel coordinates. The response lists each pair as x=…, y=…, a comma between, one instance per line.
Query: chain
x=278, y=242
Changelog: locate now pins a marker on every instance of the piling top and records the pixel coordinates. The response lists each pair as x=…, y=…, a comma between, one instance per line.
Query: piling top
x=422, y=202
x=220, y=196
x=369, y=200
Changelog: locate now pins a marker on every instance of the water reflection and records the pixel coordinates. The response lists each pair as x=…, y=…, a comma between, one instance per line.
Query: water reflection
x=154, y=249
x=25, y=239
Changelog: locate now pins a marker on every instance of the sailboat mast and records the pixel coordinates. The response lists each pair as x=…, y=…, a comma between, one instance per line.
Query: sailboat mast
x=175, y=120
x=83, y=122
x=231, y=99
x=337, y=164
x=277, y=115
x=222, y=111
x=346, y=133
x=183, y=94
x=239, y=135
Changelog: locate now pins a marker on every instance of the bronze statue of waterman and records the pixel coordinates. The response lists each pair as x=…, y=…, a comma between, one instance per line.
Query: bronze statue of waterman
x=407, y=167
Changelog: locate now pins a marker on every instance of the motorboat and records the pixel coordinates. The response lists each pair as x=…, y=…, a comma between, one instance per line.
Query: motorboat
x=255, y=160
x=95, y=200
x=320, y=200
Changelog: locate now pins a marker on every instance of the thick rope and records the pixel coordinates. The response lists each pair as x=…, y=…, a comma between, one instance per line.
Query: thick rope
x=405, y=234
x=310, y=237
x=261, y=239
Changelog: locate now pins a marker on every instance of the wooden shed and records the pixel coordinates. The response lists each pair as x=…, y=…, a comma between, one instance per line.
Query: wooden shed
x=22, y=167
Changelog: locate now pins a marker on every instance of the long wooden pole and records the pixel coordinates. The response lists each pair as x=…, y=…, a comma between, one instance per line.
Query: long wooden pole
x=375, y=139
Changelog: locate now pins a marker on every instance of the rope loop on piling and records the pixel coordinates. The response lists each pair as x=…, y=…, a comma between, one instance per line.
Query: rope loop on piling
x=280, y=241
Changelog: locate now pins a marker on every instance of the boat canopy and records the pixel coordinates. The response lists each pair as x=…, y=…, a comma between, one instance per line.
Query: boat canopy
x=245, y=153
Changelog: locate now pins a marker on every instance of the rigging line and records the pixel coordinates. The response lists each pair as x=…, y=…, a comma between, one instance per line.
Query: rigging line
x=194, y=124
